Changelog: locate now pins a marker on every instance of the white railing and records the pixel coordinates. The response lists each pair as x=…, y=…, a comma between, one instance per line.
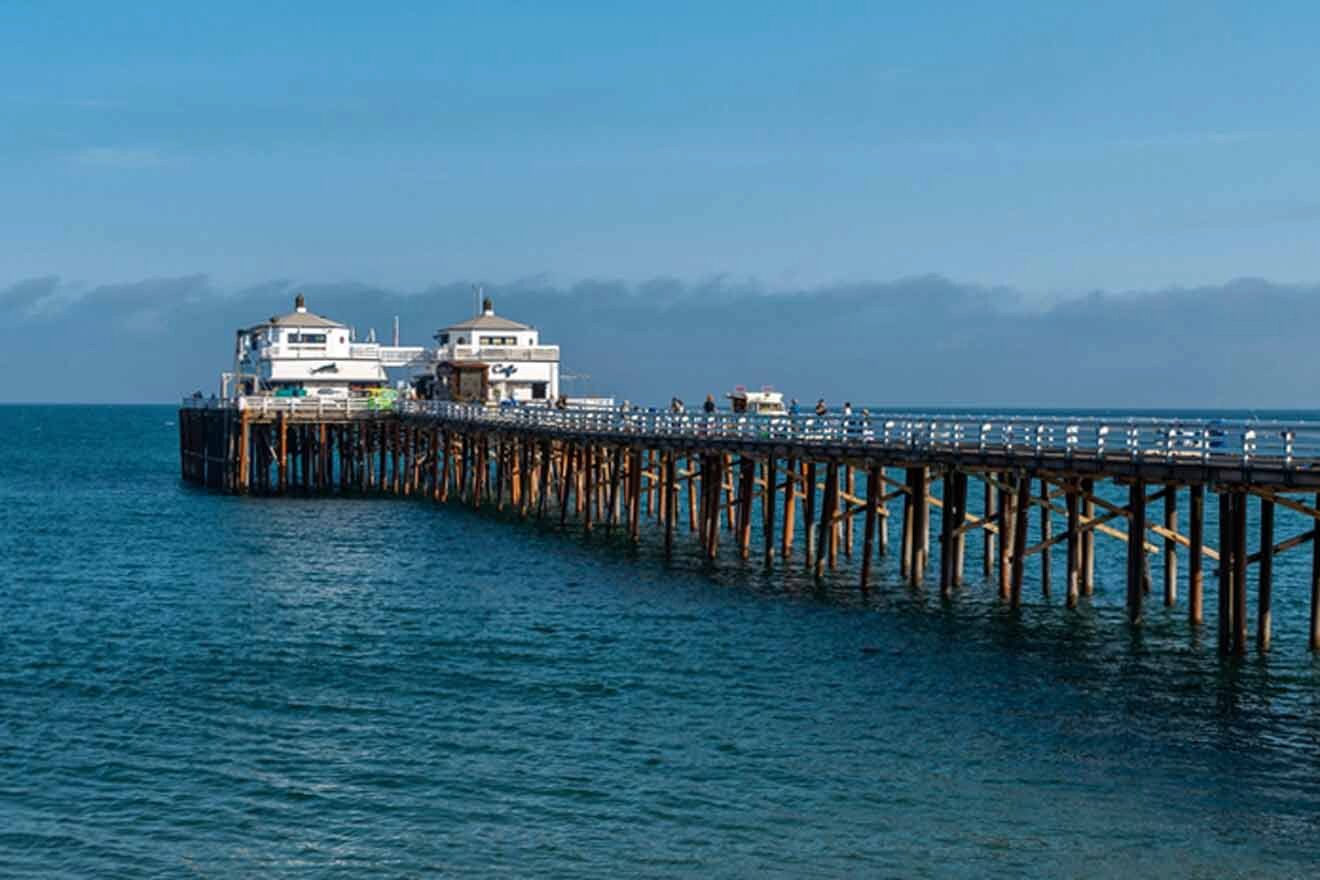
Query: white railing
x=306, y=407
x=1293, y=445
x=503, y=352
x=1177, y=441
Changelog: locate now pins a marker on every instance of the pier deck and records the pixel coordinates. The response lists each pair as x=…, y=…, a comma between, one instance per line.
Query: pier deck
x=722, y=472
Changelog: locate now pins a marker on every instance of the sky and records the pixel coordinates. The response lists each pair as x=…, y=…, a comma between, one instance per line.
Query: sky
x=1046, y=149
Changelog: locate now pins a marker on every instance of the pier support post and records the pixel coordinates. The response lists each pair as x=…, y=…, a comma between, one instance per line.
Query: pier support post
x=616, y=467
x=589, y=484
x=244, y=447
x=566, y=488
x=1195, y=550
x=282, y=426
x=882, y=526
x=1240, y=573
x=671, y=497
x=768, y=509
x=1170, y=545
x=790, y=508
x=1046, y=532
x=746, y=487
x=635, y=496
x=1007, y=523
x=1265, y=572
x=692, y=479
x=1021, y=509
x=946, y=533
x=1088, y=539
x=990, y=508
x=960, y=517
x=1071, y=501
x=1136, y=558
x=825, y=546
x=873, y=489
x=850, y=486
x=1225, y=592
x=809, y=514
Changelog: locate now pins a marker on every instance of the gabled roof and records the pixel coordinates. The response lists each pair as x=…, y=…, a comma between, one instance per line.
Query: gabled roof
x=488, y=322
x=299, y=317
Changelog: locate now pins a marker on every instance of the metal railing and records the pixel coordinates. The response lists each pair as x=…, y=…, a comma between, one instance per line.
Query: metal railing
x=305, y=407
x=1190, y=441
x=1294, y=445
x=503, y=352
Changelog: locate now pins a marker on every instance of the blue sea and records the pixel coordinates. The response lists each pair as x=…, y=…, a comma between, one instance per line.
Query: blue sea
x=196, y=685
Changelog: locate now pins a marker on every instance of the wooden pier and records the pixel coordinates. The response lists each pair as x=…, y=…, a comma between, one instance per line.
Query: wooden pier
x=807, y=480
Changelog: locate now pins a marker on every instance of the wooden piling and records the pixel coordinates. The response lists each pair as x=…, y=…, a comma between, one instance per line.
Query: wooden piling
x=768, y=509
x=829, y=506
x=809, y=514
x=1196, y=541
x=747, y=485
x=946, y=534
x=959, y=517
x=1021, y=510
x=1265, y=573
x=1225, y=591
x=1007, y=529
x=873, y=489
x=1074, y=554
x=1240, y=573
x=1045, y=535
x=790, y=508
x=671, y=495
x=1170, y=546
x=908, y=540
x=1136, y=548
x=1088, y=539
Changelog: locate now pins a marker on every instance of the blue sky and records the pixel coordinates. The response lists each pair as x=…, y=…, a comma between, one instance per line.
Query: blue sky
x=1051, y=147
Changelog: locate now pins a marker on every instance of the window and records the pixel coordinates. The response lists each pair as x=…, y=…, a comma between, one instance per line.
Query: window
x=444, y=338
x=538, y=390
x=307, y=339
x=499, y=340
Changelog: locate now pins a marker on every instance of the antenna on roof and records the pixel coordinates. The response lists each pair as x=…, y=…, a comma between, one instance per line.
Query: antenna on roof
x=396, y=331
x=477, y=291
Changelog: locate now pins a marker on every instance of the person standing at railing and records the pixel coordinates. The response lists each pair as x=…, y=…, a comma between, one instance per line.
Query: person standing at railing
x=709, y=405
x=821, y=408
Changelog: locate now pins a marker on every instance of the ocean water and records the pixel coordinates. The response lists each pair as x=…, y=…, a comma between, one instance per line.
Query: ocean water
x=200, y=685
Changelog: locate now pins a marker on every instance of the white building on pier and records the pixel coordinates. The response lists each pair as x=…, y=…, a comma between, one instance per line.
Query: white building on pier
x=302, y=354
x=490, y=358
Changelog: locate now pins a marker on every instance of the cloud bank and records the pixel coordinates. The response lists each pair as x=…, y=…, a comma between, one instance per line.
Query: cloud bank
x=924, y=341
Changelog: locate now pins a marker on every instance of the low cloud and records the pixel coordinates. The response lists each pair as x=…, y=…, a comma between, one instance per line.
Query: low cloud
x=925, y=341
